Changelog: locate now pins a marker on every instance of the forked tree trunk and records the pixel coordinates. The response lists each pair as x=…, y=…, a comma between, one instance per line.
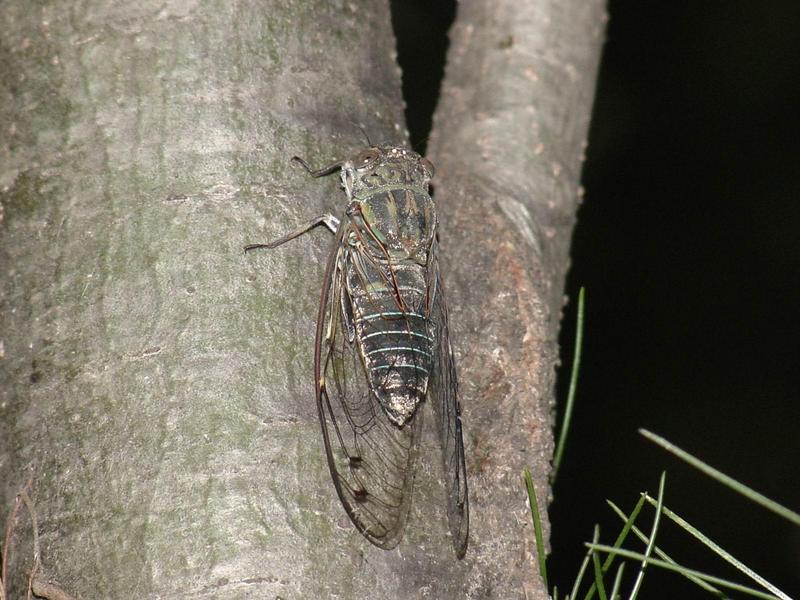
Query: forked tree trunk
x=156, y=383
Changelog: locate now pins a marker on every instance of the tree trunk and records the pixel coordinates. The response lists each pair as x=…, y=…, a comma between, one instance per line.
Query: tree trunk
x=156, y=382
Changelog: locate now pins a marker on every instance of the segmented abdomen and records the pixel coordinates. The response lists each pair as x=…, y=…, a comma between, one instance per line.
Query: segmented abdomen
x=394, y=334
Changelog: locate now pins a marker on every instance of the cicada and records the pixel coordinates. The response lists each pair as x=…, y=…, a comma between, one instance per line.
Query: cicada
x=382, y=344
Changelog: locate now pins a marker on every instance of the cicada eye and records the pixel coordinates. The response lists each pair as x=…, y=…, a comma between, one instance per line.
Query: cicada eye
x=428, y=166
x=365, y=158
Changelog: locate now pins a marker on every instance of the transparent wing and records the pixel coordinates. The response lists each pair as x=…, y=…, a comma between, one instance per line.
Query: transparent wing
x=443, y=396
x=371, y=460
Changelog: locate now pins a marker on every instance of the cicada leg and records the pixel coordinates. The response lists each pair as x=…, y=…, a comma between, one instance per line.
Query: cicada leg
x=318, y=172
x=329, y=221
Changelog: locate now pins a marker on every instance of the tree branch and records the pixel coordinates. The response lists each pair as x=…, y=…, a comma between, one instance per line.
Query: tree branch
x=508, y=141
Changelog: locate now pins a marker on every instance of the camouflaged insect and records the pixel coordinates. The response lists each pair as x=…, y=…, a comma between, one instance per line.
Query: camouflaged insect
x=382, y=344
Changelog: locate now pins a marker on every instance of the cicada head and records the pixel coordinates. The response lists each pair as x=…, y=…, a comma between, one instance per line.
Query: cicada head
x=382, y=166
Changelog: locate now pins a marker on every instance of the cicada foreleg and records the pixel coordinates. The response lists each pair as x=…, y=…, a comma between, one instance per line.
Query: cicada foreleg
x=318, y=172
x=328, y=220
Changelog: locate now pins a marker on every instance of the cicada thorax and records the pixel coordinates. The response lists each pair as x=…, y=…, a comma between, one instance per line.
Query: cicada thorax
x=388, y=283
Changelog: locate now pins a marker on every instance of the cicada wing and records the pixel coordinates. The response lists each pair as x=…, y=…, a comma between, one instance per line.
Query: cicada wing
x=443, y=397
x=371, y=460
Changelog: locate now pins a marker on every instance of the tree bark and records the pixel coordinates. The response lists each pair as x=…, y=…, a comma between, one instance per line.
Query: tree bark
x=156, y=382
x=508, y=142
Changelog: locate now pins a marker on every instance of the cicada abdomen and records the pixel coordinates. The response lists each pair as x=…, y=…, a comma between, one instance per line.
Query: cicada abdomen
x=387, y=283
x=382, y=344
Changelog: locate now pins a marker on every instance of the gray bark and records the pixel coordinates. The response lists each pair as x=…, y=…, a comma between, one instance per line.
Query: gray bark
x=508, y=141
x=156, y=383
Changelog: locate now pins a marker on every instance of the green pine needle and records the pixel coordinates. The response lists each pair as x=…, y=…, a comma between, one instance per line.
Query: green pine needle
x=623, y=534
x=660, y=553
x=537, y=526
x=730, y=482
x=719, y=551
x=682, y=570
x=573, y=387
x=598, y=571
x=650, y=544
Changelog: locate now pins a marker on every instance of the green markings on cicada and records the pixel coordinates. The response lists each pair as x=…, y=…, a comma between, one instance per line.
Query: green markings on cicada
x=400, y=349
x=398, y=332
x=375, y=226
x=387, y=367
x=396, y=314
x=376, y=287
x=401, y=222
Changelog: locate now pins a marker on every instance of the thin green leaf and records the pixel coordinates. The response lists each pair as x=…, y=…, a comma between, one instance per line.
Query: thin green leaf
x=652, y=542
x=726, y=480
x=598, y=572
x=617, y=581
x=623, y=534
x=537, y=527
x=573, y=388
x=681, y=569
x=581, y=573
x=663, y=555
x=719, y=551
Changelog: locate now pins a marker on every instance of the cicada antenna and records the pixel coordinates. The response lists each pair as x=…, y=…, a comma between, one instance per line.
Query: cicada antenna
x=364, y=131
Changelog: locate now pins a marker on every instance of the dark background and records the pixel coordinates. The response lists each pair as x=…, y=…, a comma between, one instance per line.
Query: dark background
x=688, y=246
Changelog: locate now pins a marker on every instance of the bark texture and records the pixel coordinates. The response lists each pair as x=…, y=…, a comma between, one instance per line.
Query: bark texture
x=156, y=383
x=508, y=141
